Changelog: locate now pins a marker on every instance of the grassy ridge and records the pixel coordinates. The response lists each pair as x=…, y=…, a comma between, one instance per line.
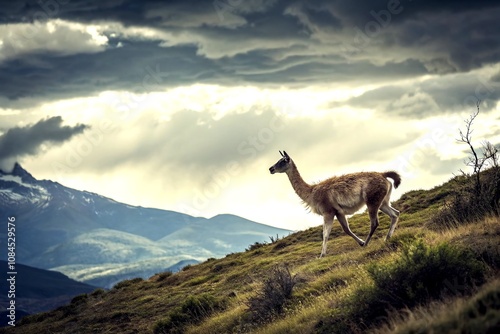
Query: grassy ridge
x=448, y=276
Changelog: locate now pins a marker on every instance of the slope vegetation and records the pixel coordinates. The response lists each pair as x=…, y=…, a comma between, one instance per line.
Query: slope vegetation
x=447, y=276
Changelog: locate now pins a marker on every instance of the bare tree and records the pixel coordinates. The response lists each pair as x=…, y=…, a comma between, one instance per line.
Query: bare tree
x=479, y=195
x=488, y=158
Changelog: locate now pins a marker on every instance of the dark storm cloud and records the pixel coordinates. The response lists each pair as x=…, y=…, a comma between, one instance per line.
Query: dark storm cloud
x=446, y=36
x=130, y=12
x=361, y=12
x=257, y=42
x=32, y=10
x=142, y=67
x=26, y=140
x=138, y=67
x=431, y=97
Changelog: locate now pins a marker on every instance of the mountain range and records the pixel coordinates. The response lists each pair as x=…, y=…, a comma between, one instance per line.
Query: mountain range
x=99, y=241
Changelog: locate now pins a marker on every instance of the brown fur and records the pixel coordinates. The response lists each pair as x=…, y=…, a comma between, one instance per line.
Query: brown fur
x=343, y=195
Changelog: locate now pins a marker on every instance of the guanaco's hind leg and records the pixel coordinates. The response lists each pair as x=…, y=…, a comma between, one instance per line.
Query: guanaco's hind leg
x=394, y=214
x=373, y=213
x=345, y=226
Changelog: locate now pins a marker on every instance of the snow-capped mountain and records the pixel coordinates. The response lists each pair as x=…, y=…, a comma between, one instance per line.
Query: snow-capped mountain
x=19, y=188
x=95, y=239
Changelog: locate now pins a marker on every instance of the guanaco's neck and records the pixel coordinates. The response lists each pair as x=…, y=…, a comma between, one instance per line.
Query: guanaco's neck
x=299, y=185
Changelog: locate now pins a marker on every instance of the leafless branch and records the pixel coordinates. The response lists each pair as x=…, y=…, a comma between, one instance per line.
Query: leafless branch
x=466, y=138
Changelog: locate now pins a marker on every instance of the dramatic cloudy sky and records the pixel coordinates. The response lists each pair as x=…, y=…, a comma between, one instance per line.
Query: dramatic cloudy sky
x=183, y=105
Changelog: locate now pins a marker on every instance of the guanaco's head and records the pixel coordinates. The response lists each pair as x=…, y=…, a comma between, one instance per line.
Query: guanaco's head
x=282, y=165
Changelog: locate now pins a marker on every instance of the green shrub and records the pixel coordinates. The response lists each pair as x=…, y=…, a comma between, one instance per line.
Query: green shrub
x=128, y=282
x=98, y=292
x=255, y=245
x=164, y=275
x=420, y=274
x=462, y=208
x=401, y=239
x=271, y=299
x=191, y=311
x=425, y=272
x=80, y=299
x=282, y=243
x=73, y=307
x=224, y=265
x=478, y=314
x=34, y=318
x=471, y=202
x=489, y=252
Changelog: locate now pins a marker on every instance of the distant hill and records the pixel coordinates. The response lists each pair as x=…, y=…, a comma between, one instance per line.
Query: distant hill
x=38, y=290
x=97, y=240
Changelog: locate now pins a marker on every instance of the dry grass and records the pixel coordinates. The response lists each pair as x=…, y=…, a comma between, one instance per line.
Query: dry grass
x=479, y=313
x=323, y=300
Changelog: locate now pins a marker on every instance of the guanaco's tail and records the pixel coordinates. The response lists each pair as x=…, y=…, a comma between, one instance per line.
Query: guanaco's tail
x=395, y=176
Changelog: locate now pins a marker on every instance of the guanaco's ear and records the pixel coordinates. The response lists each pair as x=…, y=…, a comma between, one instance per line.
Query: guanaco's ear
x=281, y=154
x=285, y=155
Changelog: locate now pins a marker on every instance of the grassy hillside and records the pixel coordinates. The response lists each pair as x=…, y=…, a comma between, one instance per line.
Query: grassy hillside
x=425, y=279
